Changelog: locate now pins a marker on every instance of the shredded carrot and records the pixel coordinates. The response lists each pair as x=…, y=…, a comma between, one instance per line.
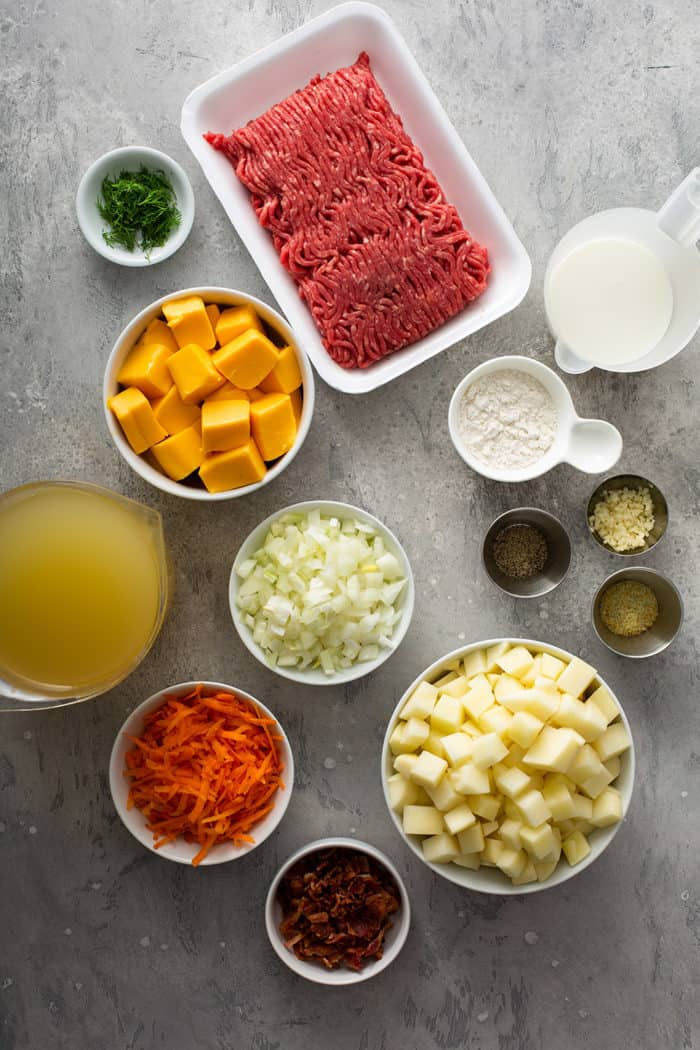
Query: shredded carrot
x=204, y=767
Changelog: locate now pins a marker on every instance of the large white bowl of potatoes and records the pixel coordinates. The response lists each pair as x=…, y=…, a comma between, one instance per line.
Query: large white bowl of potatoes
x=508, y=766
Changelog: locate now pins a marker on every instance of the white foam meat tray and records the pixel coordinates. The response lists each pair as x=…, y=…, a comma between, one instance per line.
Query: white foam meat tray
x=335, y=39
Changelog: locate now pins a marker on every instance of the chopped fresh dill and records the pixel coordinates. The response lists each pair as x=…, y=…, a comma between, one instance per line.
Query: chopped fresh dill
x=140, y=208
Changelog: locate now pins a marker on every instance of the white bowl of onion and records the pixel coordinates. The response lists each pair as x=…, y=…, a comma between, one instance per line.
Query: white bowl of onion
x=321, y=592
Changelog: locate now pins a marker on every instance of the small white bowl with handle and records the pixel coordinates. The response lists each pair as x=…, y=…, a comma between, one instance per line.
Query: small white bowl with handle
x=590, y=445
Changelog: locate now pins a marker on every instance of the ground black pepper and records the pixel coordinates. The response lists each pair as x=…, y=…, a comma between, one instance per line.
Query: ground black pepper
x=520, y=551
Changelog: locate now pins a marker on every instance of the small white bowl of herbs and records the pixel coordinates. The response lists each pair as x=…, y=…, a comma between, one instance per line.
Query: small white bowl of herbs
x=135, y=206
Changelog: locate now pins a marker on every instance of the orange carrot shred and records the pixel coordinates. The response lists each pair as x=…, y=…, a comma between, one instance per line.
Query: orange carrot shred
x=205, y=767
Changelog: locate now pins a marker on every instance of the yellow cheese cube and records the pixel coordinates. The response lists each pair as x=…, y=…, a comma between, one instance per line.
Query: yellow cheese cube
x=158, y=332
x=440, y=849
x=231, y=470
x=285, y=376
x=225, y=425
x=213, y=313
x=422, y=820
x=229, y=392
x=173, y=414
x=254, y=394
x=146, y=368
x=180, y=454
x=135, y=416
x=297, y=402
x=194, y=373
x=575, y=848
x=234, y=321
x=471, y=840
x=273, y=425
x=189, y=322
x=247, y=359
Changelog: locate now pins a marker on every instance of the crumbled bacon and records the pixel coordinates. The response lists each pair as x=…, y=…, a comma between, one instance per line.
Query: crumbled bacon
x=336, y=905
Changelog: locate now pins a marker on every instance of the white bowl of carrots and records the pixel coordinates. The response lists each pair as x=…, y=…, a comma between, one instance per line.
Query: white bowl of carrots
x=201, y=773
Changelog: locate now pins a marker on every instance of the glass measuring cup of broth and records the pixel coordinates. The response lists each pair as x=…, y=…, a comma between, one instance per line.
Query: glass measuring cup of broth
x=83, y=591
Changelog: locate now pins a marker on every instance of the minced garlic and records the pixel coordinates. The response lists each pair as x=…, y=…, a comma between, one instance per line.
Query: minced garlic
x=623, y=518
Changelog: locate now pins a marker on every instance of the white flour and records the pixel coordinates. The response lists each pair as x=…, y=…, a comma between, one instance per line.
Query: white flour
x=507, y=419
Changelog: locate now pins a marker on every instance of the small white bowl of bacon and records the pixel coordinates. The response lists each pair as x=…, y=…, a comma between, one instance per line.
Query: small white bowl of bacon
x=337, y=912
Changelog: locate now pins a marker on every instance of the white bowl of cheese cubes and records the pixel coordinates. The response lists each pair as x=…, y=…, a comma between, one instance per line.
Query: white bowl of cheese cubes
x=508, y=766
x=207, y=395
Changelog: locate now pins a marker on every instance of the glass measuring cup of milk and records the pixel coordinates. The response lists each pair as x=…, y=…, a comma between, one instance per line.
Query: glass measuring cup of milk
x=622, y=288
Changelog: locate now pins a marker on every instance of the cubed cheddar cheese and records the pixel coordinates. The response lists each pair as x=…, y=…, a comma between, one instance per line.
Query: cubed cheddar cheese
x=158, y=332
x=255, y=394
x=213, y=313
x=135, y=416
x=234, y=469
x=189, y=322
x=273, y=425
x=297, y=404
x=247, y=359
x=146, y=368
x=180, y=454
x=229, y=392
x=234, y=322
x=172, y=413
x=285, y=376
x=194, y=373
x=225, y=425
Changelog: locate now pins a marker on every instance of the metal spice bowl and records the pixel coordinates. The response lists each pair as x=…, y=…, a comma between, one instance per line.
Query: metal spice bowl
x=558, y=557
x=659, y=508
x=662, y=632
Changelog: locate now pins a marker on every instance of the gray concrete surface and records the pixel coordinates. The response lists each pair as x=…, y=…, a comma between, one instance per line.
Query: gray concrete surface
x=568, y=107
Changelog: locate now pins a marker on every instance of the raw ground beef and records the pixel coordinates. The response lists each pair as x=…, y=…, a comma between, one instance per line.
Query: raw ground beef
x=380, y=257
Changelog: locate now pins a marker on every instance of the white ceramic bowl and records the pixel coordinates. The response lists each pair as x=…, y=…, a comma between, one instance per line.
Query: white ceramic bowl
x=406, y=598
x=491, y=880
x=131, y=158
x=590, y=445
x=180, y=851
x=125, y=342
x=328, y=42
x=395, y=938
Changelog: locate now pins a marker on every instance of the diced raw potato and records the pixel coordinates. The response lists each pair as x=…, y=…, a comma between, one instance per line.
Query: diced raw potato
x=583, y=807
x=488, y=750
x=514, y=756
x=422, y=820
x=421, y=702
x=507, y=686
x=597, y=783
x=576, y=678
x=471, y=840
x=468, y=860
x=536, y=778
x=433, y=743
x=584, y=826
x=489, y=827
x=402, y=792
x=397, y=740
x=458, y=748
x=511, y=862
x=428, y=770
x=539, y=703
x=586, y=719
x=469, y=780
x=558, y=798
x=533, y=809
x=457, y=687
x=524, y=728
x=528, y=874
x=415, y=733
x=440, y=849
x=512, y=781
x=516, y=661
x=613, y=766
x=485, y=806
x=566, y=828
x=476, y=703
x=544, y=868
x=491, y=852
x=471, y=729
x=603, y=700
x=539, y=841
x=493, y=678
x=445, y=679
x=459, y=819
x=404, y=764
x=495, y=719
x=448, y=715
x=535, y=670
x=551, y=666
x=474, y=663
x=509, y=833
x=554, y=750
x=444, y=797
x=575, y=848
x=585, y=766
x=494, y=654
x=545, y=685
x=613, y=742
x=511, y=810
x=607, y=808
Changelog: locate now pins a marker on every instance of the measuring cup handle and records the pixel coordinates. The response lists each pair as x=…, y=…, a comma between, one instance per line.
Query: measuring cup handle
x=594, y=445
x=679, y=217
x=568, y=361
